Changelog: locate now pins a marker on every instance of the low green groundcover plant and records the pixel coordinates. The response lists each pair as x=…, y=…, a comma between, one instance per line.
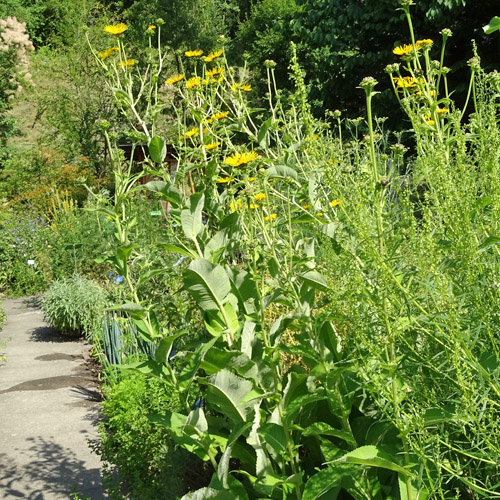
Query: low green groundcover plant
x=74, y=305
x=148, y=465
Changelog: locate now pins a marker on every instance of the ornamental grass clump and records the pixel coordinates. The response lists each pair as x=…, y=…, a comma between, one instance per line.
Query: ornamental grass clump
x=74, y=305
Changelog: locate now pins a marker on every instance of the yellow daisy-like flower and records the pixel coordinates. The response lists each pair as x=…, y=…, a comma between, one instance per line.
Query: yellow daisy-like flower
x=251, y=179
x=151, y=27
x=269, y=217
x=239, y=86
x=218, y=116
x=428, y=120
x=213, y=55
x=107, y=53
x=236, y=206
x=193, y=53
x=237, y=159
x=406, y=82
x=320, y=214
x=215, y=71
x=206, y=81
x=115, y=29
x=224, y=180
x=403, y=50
x=213, y=145
x=259, y=197
x=334, y=203
x=193, y=82
x=423, y=44
x=128, y=62
x=190, y=133
x=252, y=206
x=174, y=79
x=442, y=111
x=306, y=207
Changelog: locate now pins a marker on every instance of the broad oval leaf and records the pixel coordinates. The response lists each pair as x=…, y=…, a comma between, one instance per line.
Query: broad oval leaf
x=157, y=149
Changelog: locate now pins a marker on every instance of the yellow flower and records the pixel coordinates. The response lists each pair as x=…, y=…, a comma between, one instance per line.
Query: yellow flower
x=428, y=120
x=321, y=214
x=193, y=53
x=426, y=43
x=224, y=180
x=251, y=179
x=236, y=206
x=269, y=217
x=115, y=29
x=206, y=81
x=219, y=116
x=237, y=159
x=432, y=93
x=239, y=86
x=403, y=50
x=193, y=82
x=406, y=82
x=215, y=71
x=213, y=145
x=213, y=55
x=174, y=79
x=128, y=62
x=442, y=111
x=252, y=206
x=151, y=27
x=190, y=133
x=108, y=52
x=259, y=197
x=306, y=207
x=334, y=203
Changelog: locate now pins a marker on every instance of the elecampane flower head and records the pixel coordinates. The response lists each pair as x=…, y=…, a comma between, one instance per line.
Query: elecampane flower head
x=190, y=133
x=128, y=62
x=406, y=82
x=334, y=203
x=193, y=82
x=213, y=55
x=225, y=180
x=239, y=86
x=107, y=53
x=237, y=159
x=423, y=44
x=219, y=116
x=174, y=79
x=115, y=29
x=193, y=53
x=215, y=71
x=212, y=145
x=259, y=197
x=151, y=27
x=403, y=50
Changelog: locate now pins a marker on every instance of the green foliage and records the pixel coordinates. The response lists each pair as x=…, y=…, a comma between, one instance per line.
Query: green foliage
x=74, y=305
x=341, y=42
x=149, y=464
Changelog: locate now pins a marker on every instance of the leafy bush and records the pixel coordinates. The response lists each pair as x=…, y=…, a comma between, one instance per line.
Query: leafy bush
x=74, y=305
x=148, y=463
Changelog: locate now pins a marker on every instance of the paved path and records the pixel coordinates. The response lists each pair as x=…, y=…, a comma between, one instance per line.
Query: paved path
x=48, y=411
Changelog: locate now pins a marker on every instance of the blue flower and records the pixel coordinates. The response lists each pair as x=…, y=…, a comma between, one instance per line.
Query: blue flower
x=118, y=279
x=198, y=404
x=111, y=275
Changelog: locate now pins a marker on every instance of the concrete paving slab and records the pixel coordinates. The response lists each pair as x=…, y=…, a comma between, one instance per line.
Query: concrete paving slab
x=49, y=411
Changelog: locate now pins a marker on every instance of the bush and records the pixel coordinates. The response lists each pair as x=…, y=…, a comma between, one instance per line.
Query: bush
x=74, y=305
x=141, y=451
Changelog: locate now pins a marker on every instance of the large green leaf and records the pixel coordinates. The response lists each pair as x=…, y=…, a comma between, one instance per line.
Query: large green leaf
x=231, y=395
x=157, y=149
x=217, y=359
x=316, y=280
x=191, y=217
x=168, y=191
x=207, y=283
x=211, y=494
x=282, y=171
x=372, y=456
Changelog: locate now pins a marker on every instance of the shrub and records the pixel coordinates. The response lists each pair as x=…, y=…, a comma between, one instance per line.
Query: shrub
x=74, y=305
x=141, y=451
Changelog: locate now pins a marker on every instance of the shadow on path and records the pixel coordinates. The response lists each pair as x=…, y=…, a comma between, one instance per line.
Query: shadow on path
x=50, y=470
